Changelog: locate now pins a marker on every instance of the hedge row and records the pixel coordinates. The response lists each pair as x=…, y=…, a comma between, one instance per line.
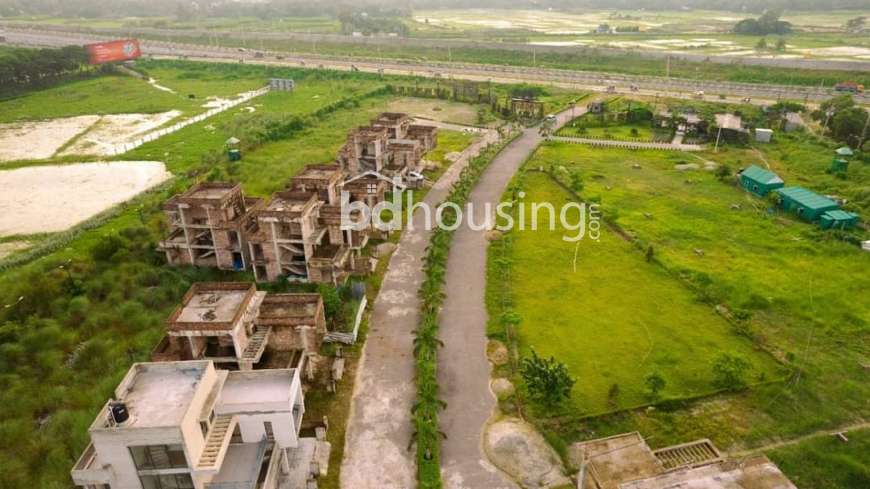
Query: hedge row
x=426, y=342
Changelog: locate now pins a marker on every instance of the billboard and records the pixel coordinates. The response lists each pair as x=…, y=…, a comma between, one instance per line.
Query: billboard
x=107, y=52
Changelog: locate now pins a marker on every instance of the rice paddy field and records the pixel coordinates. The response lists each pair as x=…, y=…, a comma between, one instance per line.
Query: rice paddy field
x=788, y=291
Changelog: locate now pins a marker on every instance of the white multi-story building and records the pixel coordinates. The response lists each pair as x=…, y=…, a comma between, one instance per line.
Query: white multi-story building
x=187, y=425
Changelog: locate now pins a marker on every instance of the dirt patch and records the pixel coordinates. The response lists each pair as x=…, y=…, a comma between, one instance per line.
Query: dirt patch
x=436, y=110
x=40, y=139
x=42, y=199
x=7, y=249
x=112, y=130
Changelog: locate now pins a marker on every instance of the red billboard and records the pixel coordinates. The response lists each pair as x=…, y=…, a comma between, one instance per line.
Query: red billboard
x=107, y=52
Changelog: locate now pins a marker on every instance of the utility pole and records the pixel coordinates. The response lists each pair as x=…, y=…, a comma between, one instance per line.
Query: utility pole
x=534, y=57
x=668, y=69
x=718, y=135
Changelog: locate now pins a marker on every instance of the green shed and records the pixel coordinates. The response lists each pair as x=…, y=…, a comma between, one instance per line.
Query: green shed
x=805, y=203
x=839, y=165
x=760, y=181
x=838, y=219
x=234, y=152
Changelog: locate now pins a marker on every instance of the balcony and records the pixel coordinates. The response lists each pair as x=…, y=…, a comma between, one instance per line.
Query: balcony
x=88, y=471
x=247, y=466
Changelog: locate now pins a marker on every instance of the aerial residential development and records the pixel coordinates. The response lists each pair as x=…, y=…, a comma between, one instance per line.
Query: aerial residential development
x=271, y=244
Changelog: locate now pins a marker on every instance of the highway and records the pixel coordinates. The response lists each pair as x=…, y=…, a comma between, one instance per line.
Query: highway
x=585, y=80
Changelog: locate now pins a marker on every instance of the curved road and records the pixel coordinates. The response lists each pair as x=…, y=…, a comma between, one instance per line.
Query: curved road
x=463, y=369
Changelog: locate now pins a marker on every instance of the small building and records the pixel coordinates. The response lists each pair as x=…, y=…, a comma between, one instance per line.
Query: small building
x=760, y=181
x=792, y=121
x=234, y=152
x=627, y=462
x=807, y=204
x=838, y=219
x=282, y=84
x=189, y=425
x=597, y=107
x=839, y=165
x=763, y=135
x=528, y=108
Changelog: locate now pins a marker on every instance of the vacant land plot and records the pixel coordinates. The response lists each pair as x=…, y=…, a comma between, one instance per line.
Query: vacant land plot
x=620, y=131
x=438, y=110
x=614, y=319
x=92, y=97
x=40, y=140
x=793, y=289
x=826, y=462
x=43, y=199
x=9, y=247
x=112, y=130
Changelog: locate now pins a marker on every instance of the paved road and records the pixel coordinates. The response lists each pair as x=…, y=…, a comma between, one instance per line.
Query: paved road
x=463, y=369
x=585, y=80
x=379, y=429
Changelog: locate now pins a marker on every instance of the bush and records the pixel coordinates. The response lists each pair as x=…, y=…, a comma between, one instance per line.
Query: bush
x=729, y=371
x=548, y=380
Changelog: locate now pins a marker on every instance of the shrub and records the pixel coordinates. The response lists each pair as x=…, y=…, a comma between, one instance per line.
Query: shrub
x=654, y=383
x=729, y=371
x=548, y=380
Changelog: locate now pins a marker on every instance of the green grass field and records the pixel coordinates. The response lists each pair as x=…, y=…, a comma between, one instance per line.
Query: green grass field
x=796, y=291
x=826, y=462
x=614, y=319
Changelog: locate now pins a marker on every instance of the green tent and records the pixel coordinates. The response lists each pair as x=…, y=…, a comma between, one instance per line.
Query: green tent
x=760, y=181
x=838, y=219
x=805, y=203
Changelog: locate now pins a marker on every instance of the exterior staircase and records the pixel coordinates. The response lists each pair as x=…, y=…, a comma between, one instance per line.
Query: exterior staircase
x=693, y=454
x=216, y=443
x=256, y=344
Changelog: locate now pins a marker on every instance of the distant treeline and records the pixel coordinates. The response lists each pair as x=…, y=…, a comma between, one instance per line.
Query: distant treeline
x=31, y=67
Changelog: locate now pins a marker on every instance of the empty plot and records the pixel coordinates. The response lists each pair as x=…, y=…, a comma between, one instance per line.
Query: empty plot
x=40, y=140
x=613, y=318
x=42, y=199
x=112, y=130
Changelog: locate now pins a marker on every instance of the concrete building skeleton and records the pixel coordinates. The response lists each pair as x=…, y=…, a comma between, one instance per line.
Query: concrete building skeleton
x=235, y=326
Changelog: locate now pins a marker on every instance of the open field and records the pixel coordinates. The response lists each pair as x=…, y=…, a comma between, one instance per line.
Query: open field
x=88, y=97
x=793, y=290
x=826, y=462
x=45, y=199
x=614, y=319
x=438, y=110
x=818, y=34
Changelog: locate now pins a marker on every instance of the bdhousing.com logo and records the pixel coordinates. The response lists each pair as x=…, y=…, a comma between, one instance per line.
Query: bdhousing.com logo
x=576, y=220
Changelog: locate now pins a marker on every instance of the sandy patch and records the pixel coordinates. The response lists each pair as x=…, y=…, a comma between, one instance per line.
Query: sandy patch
x=7, y=249
x=153, y=83
x=41, y=199
x=112, y=130
x=838, y=51
x=41, y=139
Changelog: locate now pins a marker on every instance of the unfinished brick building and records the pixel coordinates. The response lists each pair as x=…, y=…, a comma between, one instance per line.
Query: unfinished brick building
x=299, y=234
x=234, y=325
x=391, y=145
x=290, y=241
x=207, y=226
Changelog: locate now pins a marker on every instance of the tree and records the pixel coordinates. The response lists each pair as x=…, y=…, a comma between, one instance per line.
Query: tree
x=547, y=379
x=654, y=384
x=848, y=126
x=768, y=23
x=761, y=44
x=729, y=371
x=780, y=44
x=650, y=253
x=723, y=172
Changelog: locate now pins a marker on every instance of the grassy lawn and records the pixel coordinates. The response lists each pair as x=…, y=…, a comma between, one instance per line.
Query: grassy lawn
x=87, y=97
x=826, y=462
x=614, y=319
x=794, y=290
x=615, y=131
